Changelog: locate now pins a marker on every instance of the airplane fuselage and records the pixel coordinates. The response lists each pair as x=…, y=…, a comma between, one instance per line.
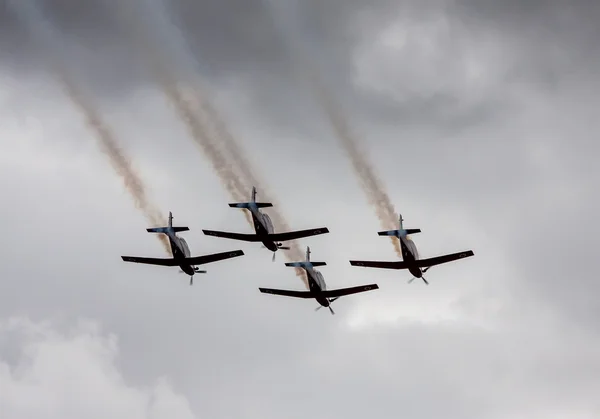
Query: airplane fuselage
x=410, y=255
x=263, y=227
x=316, y=284
x=180, y=251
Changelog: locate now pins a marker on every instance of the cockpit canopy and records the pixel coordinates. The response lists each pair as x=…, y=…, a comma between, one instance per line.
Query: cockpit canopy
x=411, y=245
x=320, y=280
x=184, y=245
x=268, y=222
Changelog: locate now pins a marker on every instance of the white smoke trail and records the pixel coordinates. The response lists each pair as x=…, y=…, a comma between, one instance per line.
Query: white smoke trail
x=44, y=32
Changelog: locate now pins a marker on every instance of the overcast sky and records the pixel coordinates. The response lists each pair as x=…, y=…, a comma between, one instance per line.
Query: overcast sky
x=480, y=119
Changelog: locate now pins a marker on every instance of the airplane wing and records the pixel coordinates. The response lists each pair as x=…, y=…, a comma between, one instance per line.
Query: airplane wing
x=438, y=260
x=293, y=235
x=378, y=264
x=288, y=293
x=151, y=261
x=233, y=236
x=347, y=291
x=201, y=260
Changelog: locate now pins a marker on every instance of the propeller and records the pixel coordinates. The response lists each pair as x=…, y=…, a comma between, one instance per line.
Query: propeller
x=279, y=246
x=414, y=277
x=422, y=277
x=329, y=306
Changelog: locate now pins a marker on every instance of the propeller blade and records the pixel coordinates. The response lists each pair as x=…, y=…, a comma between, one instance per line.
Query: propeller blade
x=424, y=280
x=273, y=258
x=330, y=309
x=411, y=280
x=318, y=308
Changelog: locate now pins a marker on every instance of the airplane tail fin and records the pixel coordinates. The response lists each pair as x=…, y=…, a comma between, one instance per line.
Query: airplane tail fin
x=248, y=205
x=305, y=264
x=169, y=228
x=401, y=232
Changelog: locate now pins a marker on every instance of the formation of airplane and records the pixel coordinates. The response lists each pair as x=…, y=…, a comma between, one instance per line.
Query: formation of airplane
x=264, y=232
x=416, y=266
x=263, y=228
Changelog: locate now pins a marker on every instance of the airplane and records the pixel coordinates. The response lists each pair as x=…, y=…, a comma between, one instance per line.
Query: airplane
x=317, y=287
x=263, y=227
x=181, y=252
x=411, y=261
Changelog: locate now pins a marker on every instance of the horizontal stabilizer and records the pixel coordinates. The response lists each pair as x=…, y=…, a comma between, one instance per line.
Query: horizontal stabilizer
x=293, y=235
x=165, y=230
x=304, y=264
x=399, y=233
x=438, y=260
x=249, y=205
x=233, y=236
x=288, y=293
x=379, y=264
x=347, y=291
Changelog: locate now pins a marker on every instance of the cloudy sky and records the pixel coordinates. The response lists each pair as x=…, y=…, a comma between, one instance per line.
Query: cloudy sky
x=479, y=117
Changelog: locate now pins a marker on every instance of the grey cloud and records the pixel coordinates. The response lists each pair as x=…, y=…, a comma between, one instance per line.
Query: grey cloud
x=72, y=374
x=526, y=211
x=237, y=40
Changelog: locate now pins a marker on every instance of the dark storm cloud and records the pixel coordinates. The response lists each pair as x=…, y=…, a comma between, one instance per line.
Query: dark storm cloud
x=238, y=36
x=541, y=43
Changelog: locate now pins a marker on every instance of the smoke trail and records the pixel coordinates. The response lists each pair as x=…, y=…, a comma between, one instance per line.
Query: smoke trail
x=118, y=160
x=167, y=78
x=203, y=115
x=43, y=29
x=370, y=183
